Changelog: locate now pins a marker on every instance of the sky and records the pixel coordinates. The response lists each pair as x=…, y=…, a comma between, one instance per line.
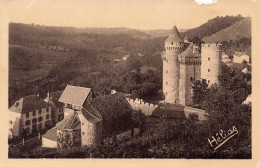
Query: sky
x=136, y=14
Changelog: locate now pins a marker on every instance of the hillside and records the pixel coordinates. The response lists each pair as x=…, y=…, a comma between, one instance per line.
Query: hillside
x=211, y=27
x=161, y=32
x=241, y=28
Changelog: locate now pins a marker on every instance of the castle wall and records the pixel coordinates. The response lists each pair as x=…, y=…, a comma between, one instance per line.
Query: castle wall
x=139, y=104
x=210, y=62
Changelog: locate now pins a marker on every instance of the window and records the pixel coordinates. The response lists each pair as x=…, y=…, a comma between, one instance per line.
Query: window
x=40, y=112
x=27, y=130
x=47, y=116
x=28, y=122
x=27, y=115
x=166, y=83
x=39, y=127
x=208, y=70
x=34, y=128
x=40, y=119
x=11, y=122
x=34, y=121
x=166, y=71
x=208, y=58
x=208, y=81
x=172, y=43
x=34, y=113
x=82, y=133
x=191, y=79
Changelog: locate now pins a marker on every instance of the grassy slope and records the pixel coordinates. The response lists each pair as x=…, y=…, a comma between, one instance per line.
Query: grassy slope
x=31, y=64
x=241, y=28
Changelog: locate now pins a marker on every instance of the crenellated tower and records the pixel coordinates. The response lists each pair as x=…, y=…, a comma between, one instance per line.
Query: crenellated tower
x=174, y=45
x=210, y=62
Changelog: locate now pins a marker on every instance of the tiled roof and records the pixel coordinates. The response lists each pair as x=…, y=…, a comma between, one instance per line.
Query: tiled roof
x=188, y=53
x=28, y=104
x=74, y=95
x=70, y=122
x=170, y=111
x=51, y=134
x=174, y=36
x=91, y=114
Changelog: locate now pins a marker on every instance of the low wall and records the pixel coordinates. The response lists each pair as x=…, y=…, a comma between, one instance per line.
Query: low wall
x=190, y=110
x=139, y=104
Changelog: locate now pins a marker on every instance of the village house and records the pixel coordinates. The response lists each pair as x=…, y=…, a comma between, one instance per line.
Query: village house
x=226, y=60
x=126, y=57
x=32, y=114
x=82, y=125
x=239, y=57
x=28, y=115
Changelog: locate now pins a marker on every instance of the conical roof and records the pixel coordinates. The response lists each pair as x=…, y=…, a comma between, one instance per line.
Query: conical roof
x=186, y=37
x=174, y=36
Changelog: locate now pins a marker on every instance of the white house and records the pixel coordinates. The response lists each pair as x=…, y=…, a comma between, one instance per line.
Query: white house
x=28, y=115
x=126, y=57
x=226, y=60
x=239, y=57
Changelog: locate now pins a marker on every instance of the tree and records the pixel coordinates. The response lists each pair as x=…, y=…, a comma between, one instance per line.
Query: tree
x=200, y=89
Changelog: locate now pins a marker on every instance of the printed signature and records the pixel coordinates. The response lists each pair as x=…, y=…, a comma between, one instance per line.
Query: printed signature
x=222, y=137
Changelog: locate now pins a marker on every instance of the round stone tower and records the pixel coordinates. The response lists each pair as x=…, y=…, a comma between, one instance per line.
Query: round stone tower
x=174, y=45
x=210, y=62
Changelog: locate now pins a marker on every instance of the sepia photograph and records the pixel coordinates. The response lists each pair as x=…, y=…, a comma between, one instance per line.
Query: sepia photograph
x=153, y=79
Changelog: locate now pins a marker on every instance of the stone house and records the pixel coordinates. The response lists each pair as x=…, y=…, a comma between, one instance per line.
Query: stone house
x=82, y=125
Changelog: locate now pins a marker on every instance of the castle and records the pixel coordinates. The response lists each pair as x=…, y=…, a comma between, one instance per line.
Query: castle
x=184, y=63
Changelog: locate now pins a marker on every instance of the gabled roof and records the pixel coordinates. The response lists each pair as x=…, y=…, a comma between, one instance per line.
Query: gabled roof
x=74, y=95
x=174, y=36
x=28, y=104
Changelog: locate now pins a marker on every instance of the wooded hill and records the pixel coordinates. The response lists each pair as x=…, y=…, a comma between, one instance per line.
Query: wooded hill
x=238, y=30
x=211, y=27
